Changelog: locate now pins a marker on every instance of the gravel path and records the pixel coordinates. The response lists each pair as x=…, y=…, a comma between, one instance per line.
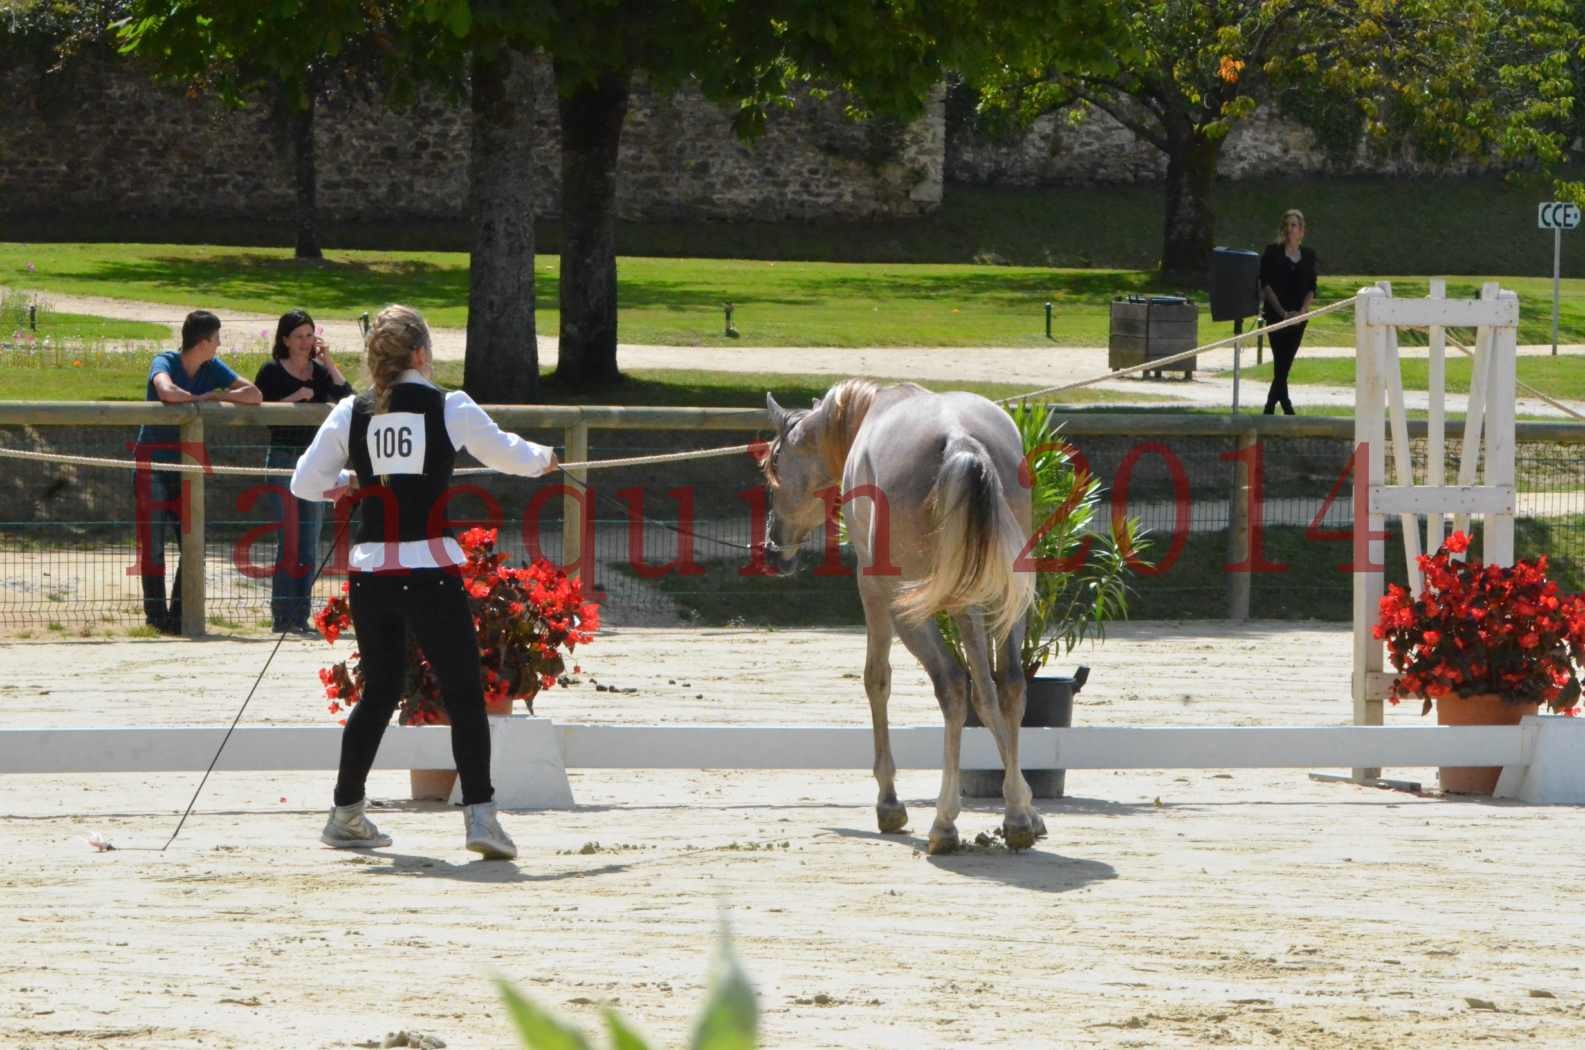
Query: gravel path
x=1212, y=383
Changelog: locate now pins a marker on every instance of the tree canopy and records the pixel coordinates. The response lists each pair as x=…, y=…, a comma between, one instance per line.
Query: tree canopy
x=1442, y=80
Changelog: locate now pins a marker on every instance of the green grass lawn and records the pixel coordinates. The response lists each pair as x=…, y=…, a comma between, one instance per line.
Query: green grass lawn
x=1561, y=377
x=101, y=375
x=18, y=326
x=678, y=301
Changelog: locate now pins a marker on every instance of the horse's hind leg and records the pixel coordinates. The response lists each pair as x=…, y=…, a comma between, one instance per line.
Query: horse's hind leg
x=951, y=684
x=1018, y=818
x=890, y=815
x=1012, y=692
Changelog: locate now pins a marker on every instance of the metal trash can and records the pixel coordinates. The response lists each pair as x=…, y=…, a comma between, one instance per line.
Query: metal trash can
x=1145, y=328
x=1235, y=284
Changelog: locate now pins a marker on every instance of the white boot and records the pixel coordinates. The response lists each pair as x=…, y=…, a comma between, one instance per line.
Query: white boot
x=348, y=828
x=485, y=836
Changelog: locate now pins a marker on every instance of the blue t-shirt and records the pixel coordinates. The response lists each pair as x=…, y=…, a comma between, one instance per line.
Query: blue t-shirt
x=213, y=374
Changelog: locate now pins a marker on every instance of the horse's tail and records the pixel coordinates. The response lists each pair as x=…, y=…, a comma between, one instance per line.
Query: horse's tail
x=977, y=542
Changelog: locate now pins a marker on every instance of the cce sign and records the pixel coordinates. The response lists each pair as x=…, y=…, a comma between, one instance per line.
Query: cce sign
x=1558, y=215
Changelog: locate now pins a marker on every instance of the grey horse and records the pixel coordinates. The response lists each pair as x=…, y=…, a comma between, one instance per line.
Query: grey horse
x=930, y=490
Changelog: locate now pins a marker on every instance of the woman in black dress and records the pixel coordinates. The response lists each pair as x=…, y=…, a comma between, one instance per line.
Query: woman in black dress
x=1287, y=287
x=301, y=372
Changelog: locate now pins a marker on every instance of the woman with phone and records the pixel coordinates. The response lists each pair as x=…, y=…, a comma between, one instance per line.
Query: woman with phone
x=301, y=372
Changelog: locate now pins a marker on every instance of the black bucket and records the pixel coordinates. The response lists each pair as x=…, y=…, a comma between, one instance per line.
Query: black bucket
x=1048, y=702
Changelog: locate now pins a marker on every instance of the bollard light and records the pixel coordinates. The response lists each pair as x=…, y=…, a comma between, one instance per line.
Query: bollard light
x=730, y=331
x=33, y=317
x=1048, y=320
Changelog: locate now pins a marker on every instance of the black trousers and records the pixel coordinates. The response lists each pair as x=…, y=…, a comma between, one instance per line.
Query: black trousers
x=1284, y=348
x=431, y=604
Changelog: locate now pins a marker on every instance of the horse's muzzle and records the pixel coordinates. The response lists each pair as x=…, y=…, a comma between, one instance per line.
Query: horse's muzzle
x=783, y=561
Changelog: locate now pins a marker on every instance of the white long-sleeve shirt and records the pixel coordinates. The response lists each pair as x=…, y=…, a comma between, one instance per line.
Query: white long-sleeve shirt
x=322, y=469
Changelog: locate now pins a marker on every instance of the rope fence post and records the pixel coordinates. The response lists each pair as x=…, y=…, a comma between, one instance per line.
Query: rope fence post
x=576, y=439
x=193, y=531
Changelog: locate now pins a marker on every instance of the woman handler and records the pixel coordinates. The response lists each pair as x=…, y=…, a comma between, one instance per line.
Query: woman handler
x=401, y=439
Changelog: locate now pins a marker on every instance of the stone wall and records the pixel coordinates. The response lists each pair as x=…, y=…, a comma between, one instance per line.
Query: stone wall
x=1095, y=148
x=103, y=140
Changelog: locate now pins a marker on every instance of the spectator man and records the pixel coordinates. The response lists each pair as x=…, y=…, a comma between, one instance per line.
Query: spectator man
x=176, y=377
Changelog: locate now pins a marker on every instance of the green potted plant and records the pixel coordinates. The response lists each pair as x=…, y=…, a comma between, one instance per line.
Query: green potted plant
x=1081, y=584
x=1484, y=645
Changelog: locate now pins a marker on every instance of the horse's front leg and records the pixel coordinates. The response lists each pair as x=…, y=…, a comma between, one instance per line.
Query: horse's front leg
x=890, y=814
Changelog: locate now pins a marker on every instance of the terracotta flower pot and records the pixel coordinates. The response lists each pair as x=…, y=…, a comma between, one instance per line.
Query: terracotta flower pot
x=1482, y=709
x=434, y=785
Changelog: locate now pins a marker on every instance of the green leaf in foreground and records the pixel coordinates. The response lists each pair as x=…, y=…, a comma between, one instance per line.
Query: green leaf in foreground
x=622, y=1037
x=539, y=1030
x=731, y=1017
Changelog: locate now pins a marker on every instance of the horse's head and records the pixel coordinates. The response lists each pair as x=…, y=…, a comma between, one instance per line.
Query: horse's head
x=795, y=475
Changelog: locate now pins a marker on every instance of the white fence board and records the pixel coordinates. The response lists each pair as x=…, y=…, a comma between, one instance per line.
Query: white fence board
x=777, y=747
x=1388, y=312
x=1443, y=499
x=189, y=748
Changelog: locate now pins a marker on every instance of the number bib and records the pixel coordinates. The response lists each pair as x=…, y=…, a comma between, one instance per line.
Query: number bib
x=396, y=443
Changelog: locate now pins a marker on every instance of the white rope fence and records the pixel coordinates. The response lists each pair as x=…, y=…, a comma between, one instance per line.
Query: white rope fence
x=1157, y=363
x=256, y=472
x=1526, y=387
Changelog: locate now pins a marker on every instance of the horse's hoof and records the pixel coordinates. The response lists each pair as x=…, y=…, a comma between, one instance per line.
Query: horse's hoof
x=943, y=840
x=1020, y=834
x=892, y=817
x=1040, y=826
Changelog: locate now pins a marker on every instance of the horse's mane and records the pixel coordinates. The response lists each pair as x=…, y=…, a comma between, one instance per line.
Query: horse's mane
x=842, y=412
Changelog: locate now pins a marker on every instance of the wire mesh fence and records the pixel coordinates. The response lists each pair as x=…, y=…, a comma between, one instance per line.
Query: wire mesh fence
x=671, y=543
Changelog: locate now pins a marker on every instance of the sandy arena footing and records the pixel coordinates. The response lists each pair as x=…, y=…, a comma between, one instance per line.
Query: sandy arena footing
x=1165, y=909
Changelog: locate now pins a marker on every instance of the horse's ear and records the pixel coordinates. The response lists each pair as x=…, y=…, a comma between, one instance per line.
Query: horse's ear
x=778, y=414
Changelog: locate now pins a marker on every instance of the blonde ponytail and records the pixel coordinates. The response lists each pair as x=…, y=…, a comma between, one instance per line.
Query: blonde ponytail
x=397, y=333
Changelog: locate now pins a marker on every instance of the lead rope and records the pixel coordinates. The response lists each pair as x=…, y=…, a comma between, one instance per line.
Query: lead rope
x=336, y=542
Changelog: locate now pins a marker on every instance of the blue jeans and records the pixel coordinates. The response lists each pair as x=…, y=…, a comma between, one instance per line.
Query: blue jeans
x=297, y=551
x=156, y=501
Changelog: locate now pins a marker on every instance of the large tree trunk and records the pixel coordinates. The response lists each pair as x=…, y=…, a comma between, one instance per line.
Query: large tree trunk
x=591, y=131
x=502, y=361
x=1191, y=216
x=307, y=178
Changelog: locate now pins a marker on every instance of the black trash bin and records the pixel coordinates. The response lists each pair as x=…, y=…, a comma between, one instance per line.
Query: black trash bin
x=1235, y=284
x=1049, y=702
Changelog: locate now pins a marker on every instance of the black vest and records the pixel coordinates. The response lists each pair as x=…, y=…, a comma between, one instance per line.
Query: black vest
x=403, y=458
